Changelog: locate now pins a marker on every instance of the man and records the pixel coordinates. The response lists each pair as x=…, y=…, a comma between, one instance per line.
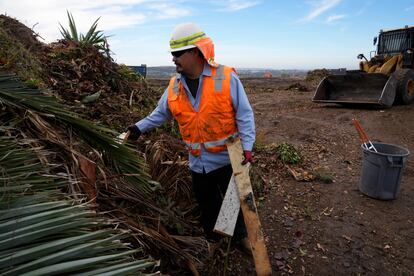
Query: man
x=210, y=105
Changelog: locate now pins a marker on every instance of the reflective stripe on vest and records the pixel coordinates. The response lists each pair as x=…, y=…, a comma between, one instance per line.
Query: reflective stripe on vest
x=214, y=122
x=175, y=88
x=192, y=146
x=218, y=79
x=212, y=146
x=221, y=142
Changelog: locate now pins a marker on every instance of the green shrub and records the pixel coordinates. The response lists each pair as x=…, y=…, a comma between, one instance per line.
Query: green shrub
x=288, y=154
x=33, y=83
x=128, y=74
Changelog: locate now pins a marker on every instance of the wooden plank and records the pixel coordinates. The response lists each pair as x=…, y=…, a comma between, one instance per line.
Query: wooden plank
x=248, y=206
x=227, y=218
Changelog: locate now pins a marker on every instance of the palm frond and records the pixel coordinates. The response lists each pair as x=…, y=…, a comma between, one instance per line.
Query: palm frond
x=65, y=33
x=63, y=245
x=92, y=37
x=72, y=27
x=91, y=33
x=43, y=232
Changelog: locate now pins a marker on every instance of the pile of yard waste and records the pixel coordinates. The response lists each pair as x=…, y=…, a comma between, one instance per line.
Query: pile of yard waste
x=80, y=75
x=75, y=100
x=315, y=76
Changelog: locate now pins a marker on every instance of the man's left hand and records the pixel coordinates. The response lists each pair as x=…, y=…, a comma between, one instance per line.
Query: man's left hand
x=248, y=157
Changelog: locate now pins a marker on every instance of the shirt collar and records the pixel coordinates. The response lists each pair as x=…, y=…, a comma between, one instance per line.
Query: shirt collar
x=206, y=71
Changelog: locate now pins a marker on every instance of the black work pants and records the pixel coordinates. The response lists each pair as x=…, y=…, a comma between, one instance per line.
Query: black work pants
x=209, y=189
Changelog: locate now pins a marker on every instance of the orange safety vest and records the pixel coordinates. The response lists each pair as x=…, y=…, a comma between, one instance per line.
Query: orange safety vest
x=215, y=120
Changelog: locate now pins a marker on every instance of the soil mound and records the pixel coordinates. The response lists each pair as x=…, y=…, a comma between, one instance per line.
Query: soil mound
x=315, y=76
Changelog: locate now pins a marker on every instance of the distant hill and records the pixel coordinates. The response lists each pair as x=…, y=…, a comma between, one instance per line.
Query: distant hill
x=160, y=72
x=259, y=72
x=168, y=71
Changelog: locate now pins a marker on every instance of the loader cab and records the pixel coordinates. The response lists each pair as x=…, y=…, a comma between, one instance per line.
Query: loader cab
x=395, y=41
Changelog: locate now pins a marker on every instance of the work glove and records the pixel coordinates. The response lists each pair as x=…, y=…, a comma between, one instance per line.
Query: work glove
x=134, y=132
x=248, y=157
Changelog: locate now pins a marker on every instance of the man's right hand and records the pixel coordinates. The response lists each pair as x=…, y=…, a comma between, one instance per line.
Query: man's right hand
x=134, y=132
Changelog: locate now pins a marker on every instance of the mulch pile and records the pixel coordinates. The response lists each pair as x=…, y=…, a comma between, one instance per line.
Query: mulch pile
x=95, y=86
x=91, y=84
x=315, y=76
x=88, y=81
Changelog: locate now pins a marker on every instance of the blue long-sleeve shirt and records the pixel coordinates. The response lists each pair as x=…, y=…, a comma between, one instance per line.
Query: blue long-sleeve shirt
x=208, y=161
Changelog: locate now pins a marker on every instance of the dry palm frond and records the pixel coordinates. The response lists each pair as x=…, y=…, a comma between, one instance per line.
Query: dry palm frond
x=153, y=236
x=186, y=252
x=149, y=231
x=170, y=169
x=196, y=247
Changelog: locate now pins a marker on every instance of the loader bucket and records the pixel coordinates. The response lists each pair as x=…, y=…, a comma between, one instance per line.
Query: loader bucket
x=356, y=87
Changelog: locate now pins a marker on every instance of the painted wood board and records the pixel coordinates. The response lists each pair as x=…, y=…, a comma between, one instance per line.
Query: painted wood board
x=248, y=206
x=229, y=211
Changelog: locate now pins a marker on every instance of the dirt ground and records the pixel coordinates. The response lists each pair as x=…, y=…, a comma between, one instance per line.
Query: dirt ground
x=317, y=228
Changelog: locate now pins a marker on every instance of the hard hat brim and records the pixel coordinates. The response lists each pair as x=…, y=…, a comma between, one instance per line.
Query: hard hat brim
x=182, y=48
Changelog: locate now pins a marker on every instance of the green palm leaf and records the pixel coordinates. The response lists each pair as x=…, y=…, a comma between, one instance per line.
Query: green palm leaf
x=92, y=37
x=92, y=31
x=78, y=265
x=16, y=227
x=72, y=26
x=25, y=255
x=119, y=269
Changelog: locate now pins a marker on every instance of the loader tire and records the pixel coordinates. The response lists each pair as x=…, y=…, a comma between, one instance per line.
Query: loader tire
x=405, y=86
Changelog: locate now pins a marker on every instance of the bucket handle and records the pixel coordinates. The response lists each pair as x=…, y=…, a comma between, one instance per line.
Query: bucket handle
x=398, y=164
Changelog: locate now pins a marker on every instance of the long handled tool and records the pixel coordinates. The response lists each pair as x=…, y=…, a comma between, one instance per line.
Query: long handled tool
x=364, y=137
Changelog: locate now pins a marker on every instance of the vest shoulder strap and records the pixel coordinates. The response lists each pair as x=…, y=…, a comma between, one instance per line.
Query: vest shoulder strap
x=218, y=78
x=174, y=83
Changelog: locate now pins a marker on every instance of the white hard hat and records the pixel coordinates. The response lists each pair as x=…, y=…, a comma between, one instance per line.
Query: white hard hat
x=184, y=36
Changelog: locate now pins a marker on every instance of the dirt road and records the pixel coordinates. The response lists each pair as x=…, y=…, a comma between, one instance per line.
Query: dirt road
x=317, y=228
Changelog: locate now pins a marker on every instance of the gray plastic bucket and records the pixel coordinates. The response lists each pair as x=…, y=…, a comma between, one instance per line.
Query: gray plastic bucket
x=382, y=170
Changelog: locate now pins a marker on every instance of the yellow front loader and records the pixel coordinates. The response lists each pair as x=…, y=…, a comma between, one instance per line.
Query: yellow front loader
x=385, y=79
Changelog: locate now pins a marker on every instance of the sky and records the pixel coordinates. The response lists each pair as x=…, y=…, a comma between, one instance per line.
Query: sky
x=274, y=34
